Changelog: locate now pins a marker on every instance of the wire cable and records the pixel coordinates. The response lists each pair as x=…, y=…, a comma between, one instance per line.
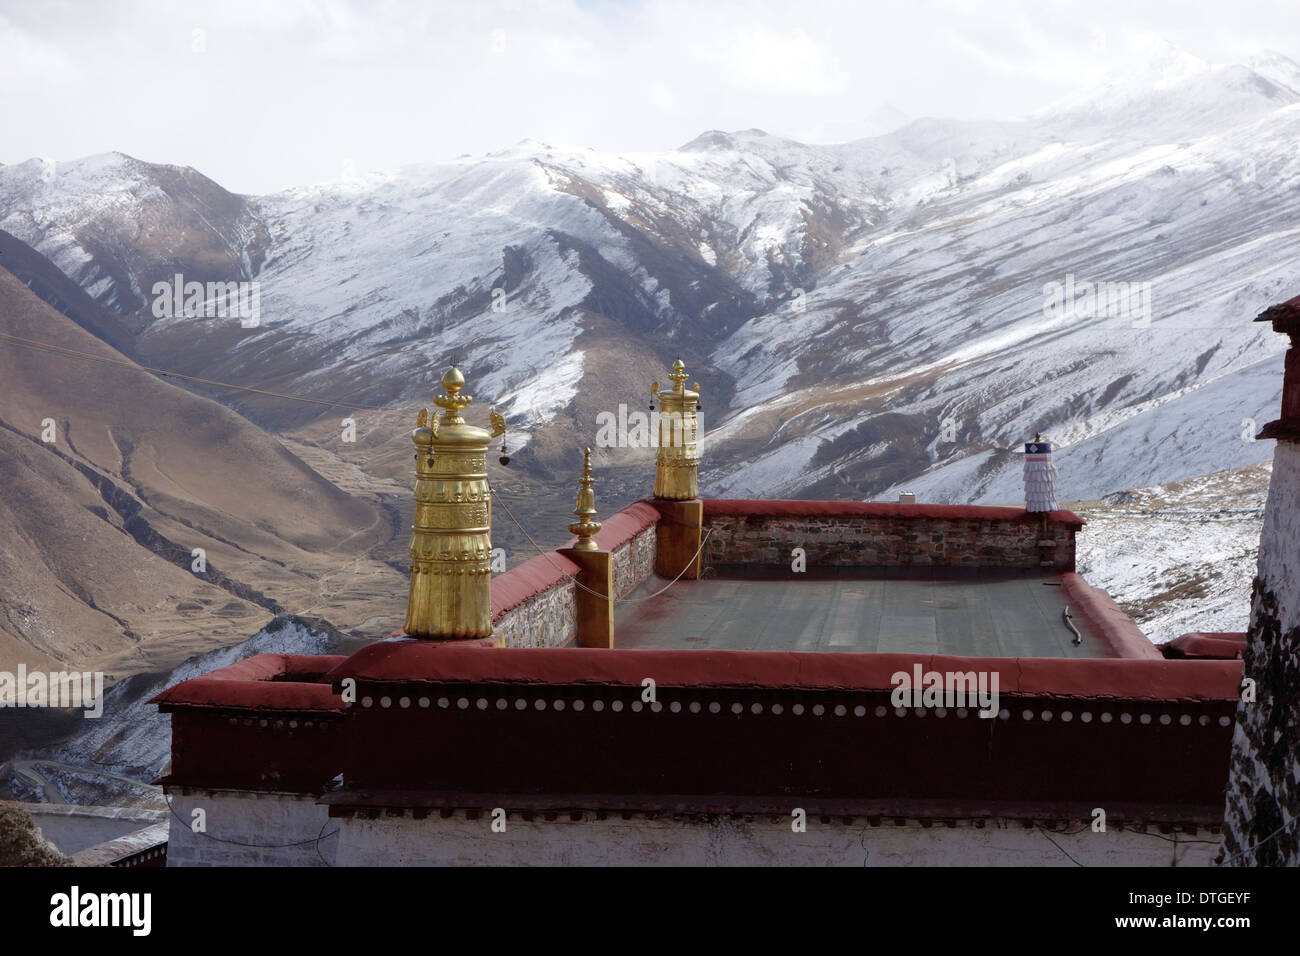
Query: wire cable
x=1250, y=849
x=132, y=366
x=259, y=846
x=606, y=597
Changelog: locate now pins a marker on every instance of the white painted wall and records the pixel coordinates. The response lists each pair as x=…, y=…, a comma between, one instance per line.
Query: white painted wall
x=766, y=841
x=236, y=817
x=1252, y=781
x=1279, y=540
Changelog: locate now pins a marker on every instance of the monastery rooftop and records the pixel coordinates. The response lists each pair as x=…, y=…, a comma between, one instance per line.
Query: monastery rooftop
x=694, y=657
x=966, y=612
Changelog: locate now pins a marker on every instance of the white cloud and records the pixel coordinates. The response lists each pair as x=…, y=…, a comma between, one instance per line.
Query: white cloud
x=299, y=85
x=28, y=62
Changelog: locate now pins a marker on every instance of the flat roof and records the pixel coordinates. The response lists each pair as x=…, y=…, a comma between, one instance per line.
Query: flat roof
x=964, y=612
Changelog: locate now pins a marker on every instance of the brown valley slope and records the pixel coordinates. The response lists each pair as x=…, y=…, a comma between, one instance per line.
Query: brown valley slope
x=97, y=527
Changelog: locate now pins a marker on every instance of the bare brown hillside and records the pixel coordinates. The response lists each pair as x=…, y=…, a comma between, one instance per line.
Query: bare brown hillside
x=97, y=527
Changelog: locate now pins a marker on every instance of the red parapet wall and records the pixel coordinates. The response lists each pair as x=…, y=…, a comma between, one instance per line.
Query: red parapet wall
x=267, y=723
x=545, y=571
x=1106, y=619
x=1199, y=645
x=1144, y=739
x=529, y=580
x=534, y=604
x=438, y=725
x=272, y=682
x=887, y=534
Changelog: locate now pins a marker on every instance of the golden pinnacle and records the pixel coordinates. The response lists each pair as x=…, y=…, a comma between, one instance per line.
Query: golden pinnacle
x=584, y=527
x=678, y=374
x=452, y=382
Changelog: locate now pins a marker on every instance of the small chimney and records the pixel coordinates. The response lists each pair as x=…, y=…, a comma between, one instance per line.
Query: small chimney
x=1040, y=476
x=907, y=497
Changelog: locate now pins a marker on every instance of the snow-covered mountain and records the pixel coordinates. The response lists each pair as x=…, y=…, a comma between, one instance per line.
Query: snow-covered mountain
x=863, y=317
x=116, y=225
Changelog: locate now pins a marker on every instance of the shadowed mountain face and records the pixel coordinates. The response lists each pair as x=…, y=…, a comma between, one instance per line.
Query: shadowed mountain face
x=892, y=313
x=51, y=286
x=113, y=478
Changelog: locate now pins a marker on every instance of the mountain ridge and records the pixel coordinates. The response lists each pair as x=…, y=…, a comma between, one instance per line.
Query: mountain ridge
x=885, y=287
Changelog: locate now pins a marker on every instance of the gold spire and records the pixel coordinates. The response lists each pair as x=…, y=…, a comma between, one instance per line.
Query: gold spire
x=678, y=374
x=584, y=527
x=451, y=537
x=678, y=459
x=453, y=381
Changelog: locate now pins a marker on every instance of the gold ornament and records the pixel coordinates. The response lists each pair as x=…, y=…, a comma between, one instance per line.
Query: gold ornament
x=585, y=509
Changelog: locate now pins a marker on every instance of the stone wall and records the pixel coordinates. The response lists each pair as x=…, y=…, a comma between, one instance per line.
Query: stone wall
x=547, y=619
x=536, y=602
x=634, y=561
x=888, y=541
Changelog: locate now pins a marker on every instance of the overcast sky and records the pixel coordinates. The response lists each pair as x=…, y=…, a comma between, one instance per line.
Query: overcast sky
x=265, y=94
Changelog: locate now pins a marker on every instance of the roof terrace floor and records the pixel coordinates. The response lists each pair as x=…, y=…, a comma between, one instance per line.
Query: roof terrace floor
x=966, y=612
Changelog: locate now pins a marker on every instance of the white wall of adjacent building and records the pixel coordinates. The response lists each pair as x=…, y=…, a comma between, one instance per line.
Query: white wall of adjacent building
x=763, y=841
x=250, y=828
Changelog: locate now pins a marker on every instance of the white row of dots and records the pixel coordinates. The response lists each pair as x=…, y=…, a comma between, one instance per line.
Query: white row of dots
x=818, y=710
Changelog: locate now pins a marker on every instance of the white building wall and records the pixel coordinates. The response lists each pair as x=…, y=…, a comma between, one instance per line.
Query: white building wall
x=1263, y=806
x=250, y=828
x=753, y=841
x=1279, y=539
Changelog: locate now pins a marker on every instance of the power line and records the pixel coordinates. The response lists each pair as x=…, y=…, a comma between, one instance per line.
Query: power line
x=132, y=366
x=257, y=846
x=1066, y=852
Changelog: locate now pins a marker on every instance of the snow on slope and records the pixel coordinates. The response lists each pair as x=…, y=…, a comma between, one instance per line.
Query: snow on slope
x=1179, y=557
x=355, y=275
x=1211, y=427
x=959, y=296
x=44, y=205
x=494, y=259
x=870, y=297
x=116, y=225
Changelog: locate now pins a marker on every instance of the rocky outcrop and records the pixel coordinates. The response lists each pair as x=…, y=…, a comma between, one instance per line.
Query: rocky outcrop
x=23, y=844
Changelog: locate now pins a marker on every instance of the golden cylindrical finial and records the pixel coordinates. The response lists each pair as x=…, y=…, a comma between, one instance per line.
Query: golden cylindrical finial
x=584, y=527
x=677, y=461
x=451, y=537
